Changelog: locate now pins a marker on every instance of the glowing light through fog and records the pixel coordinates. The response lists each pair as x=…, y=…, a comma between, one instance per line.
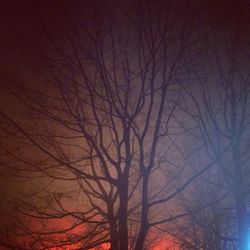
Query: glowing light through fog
x=248, y=240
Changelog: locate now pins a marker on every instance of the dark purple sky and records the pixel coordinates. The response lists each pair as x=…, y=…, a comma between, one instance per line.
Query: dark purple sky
x=22, y=24
x=22, y=21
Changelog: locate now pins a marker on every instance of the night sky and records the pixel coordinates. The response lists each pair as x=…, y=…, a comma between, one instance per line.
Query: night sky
x=25, y=21
x=24, y=24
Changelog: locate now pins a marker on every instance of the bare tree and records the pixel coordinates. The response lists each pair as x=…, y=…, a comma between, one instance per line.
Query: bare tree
x=101, y=126
x=218, y=104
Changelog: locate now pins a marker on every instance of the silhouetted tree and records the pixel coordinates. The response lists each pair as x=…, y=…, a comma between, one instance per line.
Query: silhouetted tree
x=218, y=104
x=99, y=121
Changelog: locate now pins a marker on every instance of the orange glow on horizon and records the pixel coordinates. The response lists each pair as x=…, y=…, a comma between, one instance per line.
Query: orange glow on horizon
x=161, y=242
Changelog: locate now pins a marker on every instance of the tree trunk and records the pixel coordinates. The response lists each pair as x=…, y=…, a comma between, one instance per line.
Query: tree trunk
x=113, y=229
x=113, y=239
x=239, y=193
x=144, y=215
x=217, y=223
x=239, y=190
x=123, y=217
x=242, y=223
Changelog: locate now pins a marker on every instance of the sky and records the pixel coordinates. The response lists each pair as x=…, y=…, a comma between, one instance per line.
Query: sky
x=23, y=22
x=22, y=25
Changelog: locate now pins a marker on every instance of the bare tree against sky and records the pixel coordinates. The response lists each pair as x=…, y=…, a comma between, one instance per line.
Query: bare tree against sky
x=221, y=109
x=106, y=123
x=102, y=123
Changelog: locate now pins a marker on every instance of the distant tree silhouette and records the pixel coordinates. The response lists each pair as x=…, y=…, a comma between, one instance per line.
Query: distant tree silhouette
x=218, y=104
